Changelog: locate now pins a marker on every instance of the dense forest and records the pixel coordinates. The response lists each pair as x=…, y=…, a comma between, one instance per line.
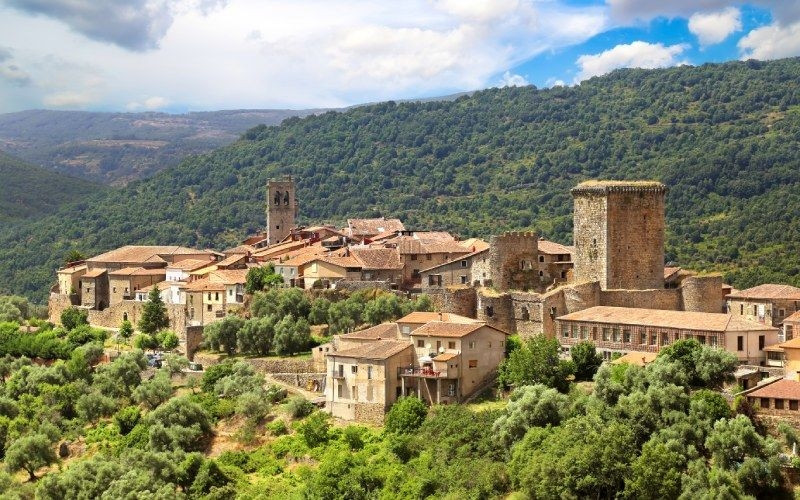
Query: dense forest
x=23, y=187
x=723, y=137
x=115, y=148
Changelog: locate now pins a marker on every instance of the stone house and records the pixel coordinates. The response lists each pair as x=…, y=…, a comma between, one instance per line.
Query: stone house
x=180, y=271
x=769, y=304
x=780, y=398
x=416, y=319
x=554, y=262
x=69, y=279
x=205, y=302
x=378, y=264
x=418, y=250
x=363, y=380
x=791, y=327
x=470, y=269
x=330, y=269
x=624, y=329
x=361, y=229
x=452, y=360
x=125, y=282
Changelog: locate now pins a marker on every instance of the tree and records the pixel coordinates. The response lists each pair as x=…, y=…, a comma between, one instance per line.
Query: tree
x=125, y=330
x=144, y=342
x=709, y=405
x=530, y=406
x=406, y=415
x=586, y=360
x=73, y=256
x=256, y=335
x=154, y=314
x=299, y=407
x=252, y=405
x=314, y=429
x=319, y=311
x=286, y=341
x=536, y=362
x=167, y=340
x=127, y=418
x=30, y=453
x=73, y=317
x=94, y=405
x=656, y=473
x=260, y=278
x=179, y=424
x=703, y=365
x=155, y=391
x=222, y=335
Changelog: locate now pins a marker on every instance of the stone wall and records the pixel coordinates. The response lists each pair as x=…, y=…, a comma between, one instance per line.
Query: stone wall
x=369, y=412
x=665, y=299
x=192, y=339
x=112, y=316
x=513, y=261
x=589, y=236
x=456, y=300
x=702, y=294
x=352, y=285
x=309, y=381
x=496, y=310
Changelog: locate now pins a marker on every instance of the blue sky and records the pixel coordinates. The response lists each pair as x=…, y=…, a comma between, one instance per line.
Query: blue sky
x=182, y=55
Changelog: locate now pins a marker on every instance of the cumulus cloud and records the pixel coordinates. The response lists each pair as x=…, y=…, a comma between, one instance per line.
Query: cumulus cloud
x=554, y=82
x=771, y=42
x=714, y=27
x=513, y=80
x=150, y=104
x=633, y=55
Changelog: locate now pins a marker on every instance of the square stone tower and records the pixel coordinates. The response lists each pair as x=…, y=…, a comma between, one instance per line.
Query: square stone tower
x=513, y=261
x=281, y=209
x=619, y=234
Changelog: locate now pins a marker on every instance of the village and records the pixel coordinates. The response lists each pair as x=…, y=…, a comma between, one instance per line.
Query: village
x=611, y=288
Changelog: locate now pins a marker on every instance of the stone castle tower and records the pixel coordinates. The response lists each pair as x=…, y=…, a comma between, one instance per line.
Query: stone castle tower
x=513, y=261
x=619, y=234
x=281, y=209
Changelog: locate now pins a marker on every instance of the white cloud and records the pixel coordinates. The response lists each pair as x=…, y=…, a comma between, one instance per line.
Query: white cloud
x=513, y=80
x=150, y=104
x=626, y=11
x=554, y=82
x=272, y=53
x=715, y=27
x=67, y=100
x=771, y=42
x=633, y=55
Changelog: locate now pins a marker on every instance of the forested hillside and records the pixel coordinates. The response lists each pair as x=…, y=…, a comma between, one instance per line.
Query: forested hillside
x=725, y=139
x=115, y=148
x=30, y=191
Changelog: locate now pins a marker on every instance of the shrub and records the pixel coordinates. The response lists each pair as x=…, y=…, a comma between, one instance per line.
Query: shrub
x=275, y=394
x=73, y=317
x=299, y=407
x=127, y=418
x=277, y=428
x=406, y=415
x=314, y=429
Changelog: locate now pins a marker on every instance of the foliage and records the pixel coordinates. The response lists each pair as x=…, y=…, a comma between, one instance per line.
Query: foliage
x=536, y=362
x=126, y=329
x=73, y=317
x=314, y=429
x=179, y=424
x=586, y=360
x=530, y=406
x=709, y=367
x=260, y=278
x=406, y=415
x=127, y=418
x=30, y=453
x=154, y=314
x=299, y=407
x=155, y=391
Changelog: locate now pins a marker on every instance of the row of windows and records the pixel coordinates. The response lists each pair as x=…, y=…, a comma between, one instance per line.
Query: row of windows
x=626, y=336
x=779, y=404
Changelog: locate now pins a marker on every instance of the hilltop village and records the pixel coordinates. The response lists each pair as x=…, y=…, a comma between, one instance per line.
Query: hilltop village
x=611, y=288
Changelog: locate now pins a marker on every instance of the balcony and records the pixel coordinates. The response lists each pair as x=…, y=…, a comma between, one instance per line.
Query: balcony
x=412, y=371
x=337, y=375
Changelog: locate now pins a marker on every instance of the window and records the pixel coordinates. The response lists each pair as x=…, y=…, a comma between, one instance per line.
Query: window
x=114, y=289
x=574, y=332
x=789, y=332
x=463, y=279
x=765, y=402
x=653, y=338
x=354, y=393
x=209, y=295
x=216, y=295
x=463, y=263
x=420, y=343
x=473, y=363
x=740, y=343
x=354, y=369
x=615, y=334
x=209, y=307
x=713, y=340
x=741, y=309
x=564, y=331
x=406, y=329
x=369, y=372
x=606, y=334
x=472, y=344
x=438, y=345
x=755, y=310
x=793, y=404
x=563, y=275
x=489, y=311
x=525, y=314
x=642, y=338
x=541, y=258
x=339, y=390
x=781, y=313
x=541, y=274
x=230, y=292
x=626, y=336
x=779, y=404
x=584, y=331
x=428, y=257
x=413, y=256
x=760, y=342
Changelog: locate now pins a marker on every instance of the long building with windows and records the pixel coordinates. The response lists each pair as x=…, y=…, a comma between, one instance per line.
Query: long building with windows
x=625, y=329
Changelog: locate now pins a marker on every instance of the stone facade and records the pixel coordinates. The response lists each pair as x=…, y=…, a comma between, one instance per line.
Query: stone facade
x=766, y=311
x=619, y=233
x=702, y=293
x=496, y=309
x=513, y=261
x=281, y=209
x=470, y=270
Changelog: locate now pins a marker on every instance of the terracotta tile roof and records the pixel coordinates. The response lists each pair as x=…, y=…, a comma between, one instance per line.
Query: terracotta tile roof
x=229, y=276
x=670, y=271
x=138, y=271
x=461, y=257
x=136, y=254
x=768, y=291
x=794, y=318
x=190, y=264
x=380, y=349
x=474, y=244
x=72, y=269
x=94, y=273
x=372, y=227
x=774, y=348
x=636, y=358
x=302, y=259
x=280, y=249
x=553, y=248
x=446, y=356
x=240, y=249
x=682, y=320
x=791, y=344
x=441, y=329
x=384, y=331
x=348, y=261
x=231, y=260
x=377, y=258
x=782, y=389
x=427, y=317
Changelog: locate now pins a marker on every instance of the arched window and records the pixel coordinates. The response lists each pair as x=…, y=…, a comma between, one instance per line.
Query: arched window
x=526, y=316
x=277, y=197
x=286, y=198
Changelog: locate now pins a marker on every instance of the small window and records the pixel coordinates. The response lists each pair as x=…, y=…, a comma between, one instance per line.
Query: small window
x=463, y=280
x=438, y=345
x=761, y=340
x=114, y=289
x=230, y=292
x=541, y=258
x=741, y=309
x=526, y=316
x=489, y=311
x=473, y=363
x=541, y=274
x=463, y=263
x=472, y=344
x=740, y=343
x=209, y=295
x=779, y=404
x=216, y=295
x=606, y=334
x=354, y=369
x=765, y=402
x=428, y=257
x=339, y=390
x=451, y=345
x=564, y=331
x=793, y=404
x=413, y=256
x=209, y=307
x=781, y=313
x=369, y=372
x=420, y=343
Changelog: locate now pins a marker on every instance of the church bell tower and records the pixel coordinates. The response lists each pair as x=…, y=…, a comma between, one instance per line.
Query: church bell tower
x=281, y=209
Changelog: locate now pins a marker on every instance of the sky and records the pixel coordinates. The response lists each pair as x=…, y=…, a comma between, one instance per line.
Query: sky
x=196, y=55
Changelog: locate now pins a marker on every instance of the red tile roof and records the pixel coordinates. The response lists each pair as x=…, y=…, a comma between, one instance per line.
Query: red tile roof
x=380, y=349
x=794, y=318
x=426, y=317
x=451, y=261
x=377, y=258
x=384, y=331
x=372, y=227
x=135, y=254
x=768, y=291
x=782, y=389
x=553, y=248
x=190, y=264
x=441, y=329
x=683, y=320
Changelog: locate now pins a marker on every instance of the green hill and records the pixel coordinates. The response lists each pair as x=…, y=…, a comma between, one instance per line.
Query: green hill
x=725, y=139
x=28, y=191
